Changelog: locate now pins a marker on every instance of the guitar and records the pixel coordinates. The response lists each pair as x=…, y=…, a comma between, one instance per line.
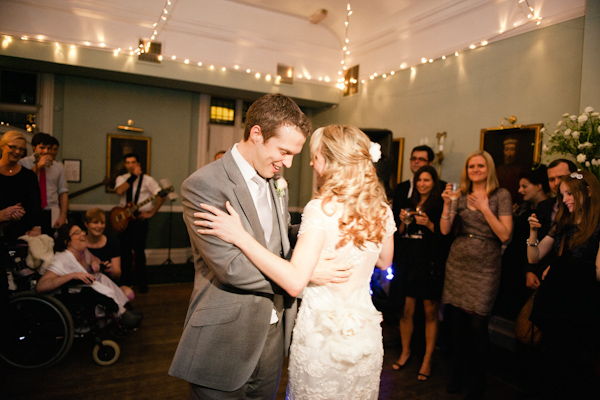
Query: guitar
x=120, y=216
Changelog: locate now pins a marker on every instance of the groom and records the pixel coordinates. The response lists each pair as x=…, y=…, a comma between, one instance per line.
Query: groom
x=239, y=323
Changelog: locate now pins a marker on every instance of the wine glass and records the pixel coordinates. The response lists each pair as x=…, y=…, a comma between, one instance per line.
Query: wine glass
x=409, y=218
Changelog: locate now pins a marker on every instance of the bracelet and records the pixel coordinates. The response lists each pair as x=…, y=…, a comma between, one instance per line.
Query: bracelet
x=532, y=245
x=446, y=218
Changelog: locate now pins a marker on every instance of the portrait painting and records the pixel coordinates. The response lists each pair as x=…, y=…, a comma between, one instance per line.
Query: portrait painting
x=514, y=150
x=120, y=145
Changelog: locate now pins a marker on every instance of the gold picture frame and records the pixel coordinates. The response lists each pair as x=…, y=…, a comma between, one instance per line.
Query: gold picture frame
x=514, y=149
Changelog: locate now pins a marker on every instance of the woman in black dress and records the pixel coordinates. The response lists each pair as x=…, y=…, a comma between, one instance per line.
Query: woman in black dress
x=567, y=304
x=422, y=256
x=104, y=247
x=513, y=292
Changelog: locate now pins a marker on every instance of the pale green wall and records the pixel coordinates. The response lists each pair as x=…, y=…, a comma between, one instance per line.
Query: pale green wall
x=534, y=76
x=87, y=110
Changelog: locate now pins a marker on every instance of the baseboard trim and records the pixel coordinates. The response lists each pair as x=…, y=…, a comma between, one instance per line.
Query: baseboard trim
x=159, y=256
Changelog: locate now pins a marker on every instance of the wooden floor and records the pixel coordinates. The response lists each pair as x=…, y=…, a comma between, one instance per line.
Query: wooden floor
x=141, y=372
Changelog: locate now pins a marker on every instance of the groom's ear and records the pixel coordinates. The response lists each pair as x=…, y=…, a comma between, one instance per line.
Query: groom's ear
x=256, y=135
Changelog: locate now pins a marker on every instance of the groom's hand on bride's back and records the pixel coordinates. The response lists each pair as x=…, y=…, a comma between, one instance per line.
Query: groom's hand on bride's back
x=330, y=271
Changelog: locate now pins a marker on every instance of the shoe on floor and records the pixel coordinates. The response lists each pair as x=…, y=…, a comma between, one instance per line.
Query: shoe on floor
x=131, y=320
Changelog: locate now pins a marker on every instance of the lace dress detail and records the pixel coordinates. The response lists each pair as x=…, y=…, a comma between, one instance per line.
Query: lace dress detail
x=337, y=349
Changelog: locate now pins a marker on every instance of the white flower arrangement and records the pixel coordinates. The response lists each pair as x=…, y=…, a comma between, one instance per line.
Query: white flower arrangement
x=577, y=136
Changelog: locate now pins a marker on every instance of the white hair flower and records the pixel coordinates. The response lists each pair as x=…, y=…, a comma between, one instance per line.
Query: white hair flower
x=573, y=118
x=588, y=109
x=587, y=163
x=545, y=148
x=575, y=135
x=567, y=132
x=581, y=158
x=582, y=118
x=375, y=152
x=565, y=115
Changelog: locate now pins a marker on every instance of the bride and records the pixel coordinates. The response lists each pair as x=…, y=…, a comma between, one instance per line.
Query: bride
x=337, y=350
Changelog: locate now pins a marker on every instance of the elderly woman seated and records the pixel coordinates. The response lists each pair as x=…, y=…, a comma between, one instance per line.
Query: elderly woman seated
x=73, y=261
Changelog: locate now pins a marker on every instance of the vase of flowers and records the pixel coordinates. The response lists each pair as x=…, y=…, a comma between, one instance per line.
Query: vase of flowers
x=577, y=136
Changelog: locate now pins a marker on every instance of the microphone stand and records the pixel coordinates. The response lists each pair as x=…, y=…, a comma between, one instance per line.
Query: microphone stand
x=168, y=261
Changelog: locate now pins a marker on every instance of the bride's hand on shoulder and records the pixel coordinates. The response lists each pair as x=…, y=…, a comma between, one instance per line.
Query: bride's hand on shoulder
x=226, y=226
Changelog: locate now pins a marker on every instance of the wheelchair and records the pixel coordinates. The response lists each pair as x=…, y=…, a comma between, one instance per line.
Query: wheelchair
x=41, y=328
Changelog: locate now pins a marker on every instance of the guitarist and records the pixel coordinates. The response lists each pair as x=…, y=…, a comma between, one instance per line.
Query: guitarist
x=133, y=188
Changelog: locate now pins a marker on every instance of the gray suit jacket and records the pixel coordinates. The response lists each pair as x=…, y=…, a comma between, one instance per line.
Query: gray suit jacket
x=231, y=304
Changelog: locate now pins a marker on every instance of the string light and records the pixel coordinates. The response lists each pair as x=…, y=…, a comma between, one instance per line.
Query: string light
x=341, y=83
x=524, y=6
x=167, y=11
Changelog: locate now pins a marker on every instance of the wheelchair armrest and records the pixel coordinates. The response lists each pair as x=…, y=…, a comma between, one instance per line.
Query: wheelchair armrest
x=73, y=283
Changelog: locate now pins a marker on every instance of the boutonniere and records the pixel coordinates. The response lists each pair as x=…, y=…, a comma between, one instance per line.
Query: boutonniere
x=280, y=187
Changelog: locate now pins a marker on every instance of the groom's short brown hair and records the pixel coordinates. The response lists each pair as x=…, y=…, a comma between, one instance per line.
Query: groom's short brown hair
x=272, y=111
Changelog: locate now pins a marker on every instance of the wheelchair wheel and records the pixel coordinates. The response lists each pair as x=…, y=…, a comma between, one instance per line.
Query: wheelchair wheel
x=106, y=353
x=40, y=331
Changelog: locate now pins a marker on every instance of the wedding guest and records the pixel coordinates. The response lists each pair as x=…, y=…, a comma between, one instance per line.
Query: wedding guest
x=73, y=261
x=533, y=186
x=567, y=304
x=20, y=211
x=54, y=191
x=421, y=260
x=104, y=247
x=484, y=216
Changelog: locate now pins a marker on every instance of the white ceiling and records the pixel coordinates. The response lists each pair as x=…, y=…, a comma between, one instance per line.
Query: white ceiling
x=258, y=34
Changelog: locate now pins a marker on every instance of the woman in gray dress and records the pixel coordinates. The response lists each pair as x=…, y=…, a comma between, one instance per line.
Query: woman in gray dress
x=483, y=221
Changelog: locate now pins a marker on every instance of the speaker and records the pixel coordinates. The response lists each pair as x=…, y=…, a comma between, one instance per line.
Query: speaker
x=384, y=166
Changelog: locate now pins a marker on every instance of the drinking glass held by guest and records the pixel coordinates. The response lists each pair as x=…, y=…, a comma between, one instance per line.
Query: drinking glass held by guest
x=337, y=350
x=420, y=262
x=567, y=304
x=484, y=213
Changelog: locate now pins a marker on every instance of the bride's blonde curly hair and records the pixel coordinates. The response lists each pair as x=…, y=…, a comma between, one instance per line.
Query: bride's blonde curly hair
x=349, y=178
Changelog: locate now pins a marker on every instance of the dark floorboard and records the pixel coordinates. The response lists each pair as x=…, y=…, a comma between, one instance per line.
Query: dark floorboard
x=141, y=372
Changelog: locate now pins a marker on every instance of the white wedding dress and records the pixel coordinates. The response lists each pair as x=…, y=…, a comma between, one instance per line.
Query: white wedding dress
x=337, y=347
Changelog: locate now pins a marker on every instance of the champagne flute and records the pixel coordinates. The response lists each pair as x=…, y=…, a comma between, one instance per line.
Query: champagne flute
x=454, y=195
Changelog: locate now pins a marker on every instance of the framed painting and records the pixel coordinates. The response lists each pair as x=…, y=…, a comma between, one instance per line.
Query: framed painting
x=72, y=170
x=514, y=150
x=120, y=145
x=398, y=154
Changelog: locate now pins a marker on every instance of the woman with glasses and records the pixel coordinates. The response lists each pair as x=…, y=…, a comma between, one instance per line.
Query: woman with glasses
x=567, y=304
x=20, y=203
x=73, y=261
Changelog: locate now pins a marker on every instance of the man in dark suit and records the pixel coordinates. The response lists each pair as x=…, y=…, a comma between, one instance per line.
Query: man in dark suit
x=239, y=323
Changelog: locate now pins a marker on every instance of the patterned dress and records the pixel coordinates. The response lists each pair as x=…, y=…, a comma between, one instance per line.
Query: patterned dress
x=474, y=263
x=337, y=349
